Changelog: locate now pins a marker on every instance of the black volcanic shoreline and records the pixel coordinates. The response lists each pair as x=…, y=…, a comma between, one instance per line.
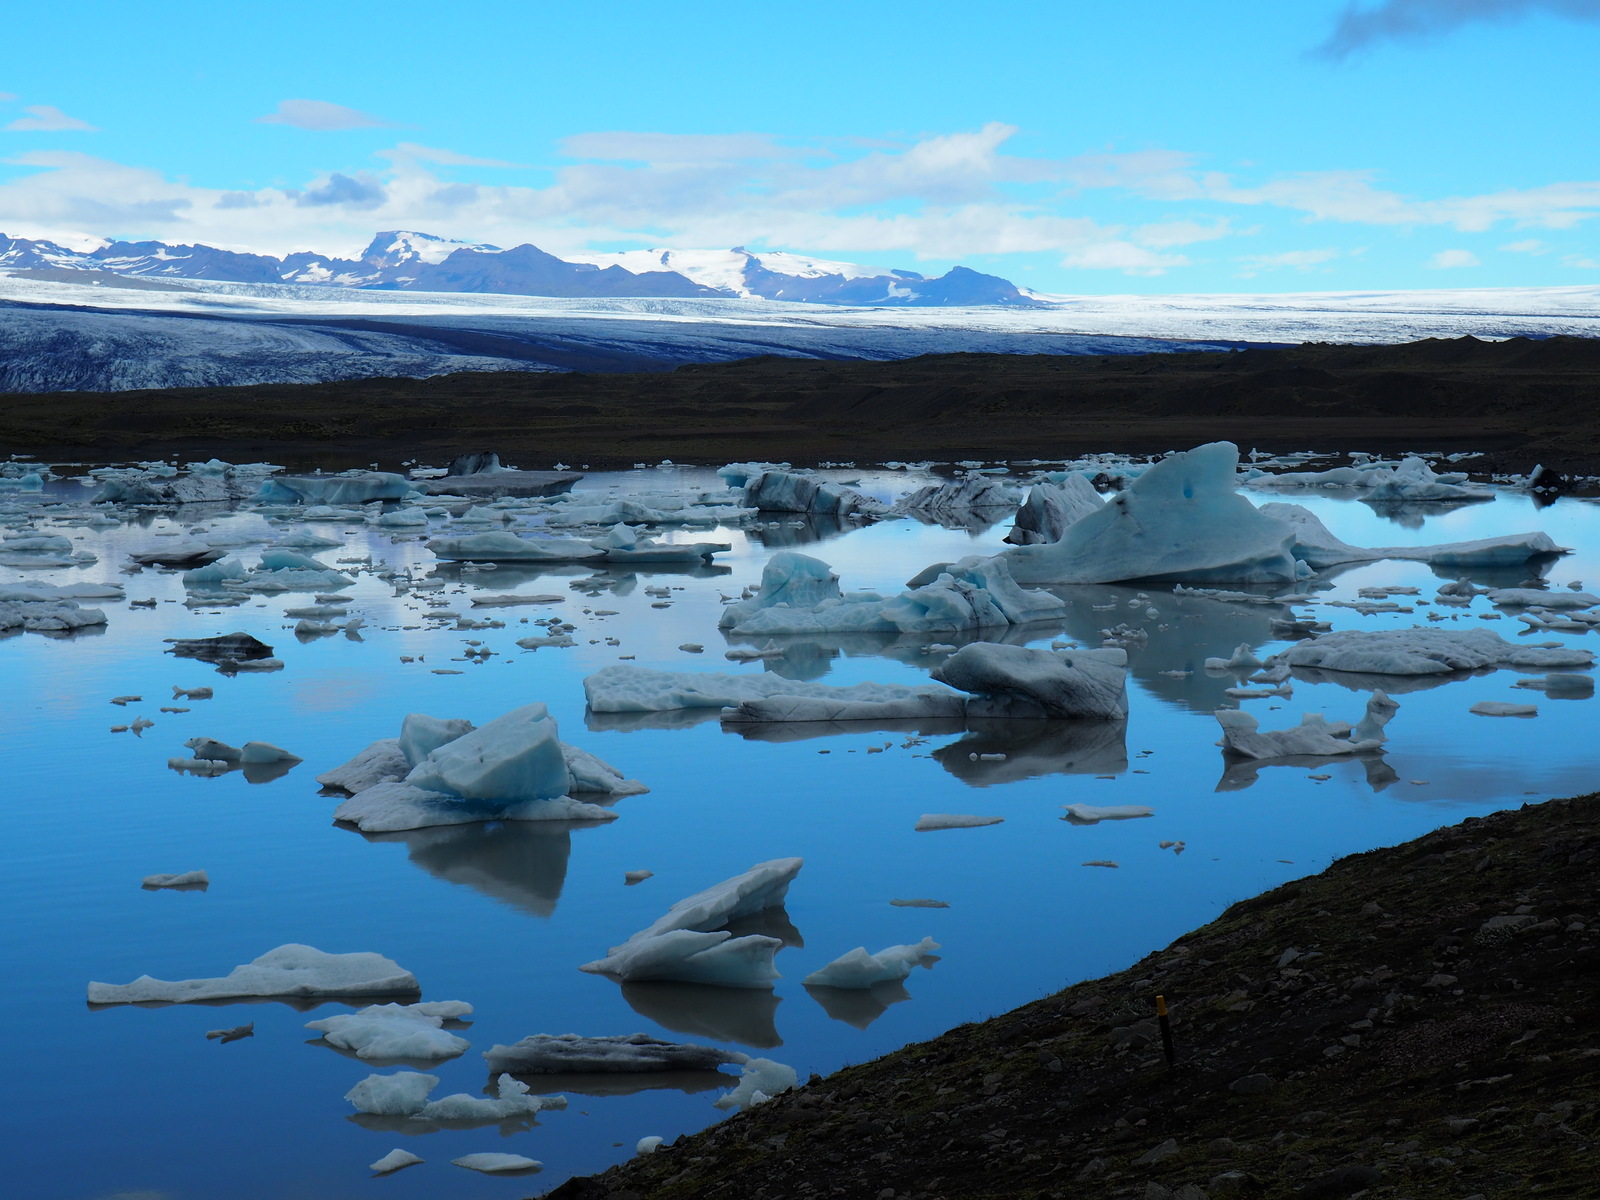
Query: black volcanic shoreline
x=1519, y=401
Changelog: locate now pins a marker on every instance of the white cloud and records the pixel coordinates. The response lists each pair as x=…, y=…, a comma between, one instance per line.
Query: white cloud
x=1448, y=259
x=1123, y=256
x=8, y=97
x=1527, y=246
x=320, y=116
x=46, y=118
x=1299, y=260
x=1583, y=264
x=1359, y=28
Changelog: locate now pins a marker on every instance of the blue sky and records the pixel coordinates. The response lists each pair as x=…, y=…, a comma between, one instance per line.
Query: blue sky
x=1146, y=146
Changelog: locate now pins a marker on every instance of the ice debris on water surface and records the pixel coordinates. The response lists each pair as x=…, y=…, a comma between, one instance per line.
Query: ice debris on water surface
x=496, y=1163
x=689, y=943
x=550, y=1054
x=290, y=970
x=1093, y=814
x=859, y=969
x=397, y=1030
x=762, y=1079
x=1315, y=735
x=196, y=880
x=932, y=821
x=405, y=1094
x=1423, y=652
x=393, y=1161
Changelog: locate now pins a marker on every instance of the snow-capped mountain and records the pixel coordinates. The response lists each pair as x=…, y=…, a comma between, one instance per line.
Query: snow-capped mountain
x=399, y=260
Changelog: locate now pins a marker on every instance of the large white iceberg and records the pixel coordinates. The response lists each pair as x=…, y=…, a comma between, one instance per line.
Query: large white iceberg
x=1181, y=520
x=1423, y=652
x=858, y=969
x=1017, y=681
x=291, y=970
x=397, y=1030
x=800, y=595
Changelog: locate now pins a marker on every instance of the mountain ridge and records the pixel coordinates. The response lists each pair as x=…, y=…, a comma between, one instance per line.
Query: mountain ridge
x=404, y=260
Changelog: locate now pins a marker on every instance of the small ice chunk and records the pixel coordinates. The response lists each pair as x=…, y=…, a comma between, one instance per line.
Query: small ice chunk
x=919, y=903
x=547, y=1054
x=858, y=969
x=762, y=1079
x=231, y=1035
x=930, y=821
x=648, y=1145
x=197, y=879
x=397, y=1095
x=397, y=1030
x=632, y=877
x=495, y=1163
x=393, y=1161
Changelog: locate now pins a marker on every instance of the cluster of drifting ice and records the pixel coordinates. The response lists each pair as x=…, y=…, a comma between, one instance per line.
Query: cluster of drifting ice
x=405, y=1094
x=801, y=595
x=397, y=1030
x=1423, y=652
x=444, y=771
x=688, y=944
x=1412, y=481
x=291, y=970
x=858, y=969
x=1315, y=735
x=547, y=1054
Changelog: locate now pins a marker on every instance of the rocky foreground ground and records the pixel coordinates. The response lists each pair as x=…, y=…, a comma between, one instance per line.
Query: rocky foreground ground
x=1523, y=402
x=1418, y=1021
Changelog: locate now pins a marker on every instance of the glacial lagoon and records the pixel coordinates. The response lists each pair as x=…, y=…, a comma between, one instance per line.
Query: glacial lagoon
x=135, y=1100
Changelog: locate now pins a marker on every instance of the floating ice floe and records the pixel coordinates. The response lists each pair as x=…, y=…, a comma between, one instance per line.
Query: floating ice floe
x=227, y=647
x=1423, y=652
x=405, y=1094
x=800, y=594
x=931, y=821
x=290, y=970
x=355, y=487
x=1051, y=507
x=625, y=689
x=858, y=969
x=1016, y=681
x=1412, y=480
x=48, y=616
x=1504, y=708
x=393, y=1161
x=688, y=943
x=551, y=1054
x=182, y=879
x=1179, y=521
x=1315, y=546
x=1093, y=814
x=1539, y=598
x=250, y=752
x=783, y=491
x=496, y=1163
x=762, y=1079
x=397, y=1030
x=208, y=481
x=42, y=552
x=1315, y=735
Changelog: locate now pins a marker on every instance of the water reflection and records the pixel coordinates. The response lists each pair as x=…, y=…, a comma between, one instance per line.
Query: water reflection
x=522, y=864
x=1033, y=749
x=1240, y=773
x=743, y=1015
x=414, y=1126
x=784, y=530
x=859, y=1007
x=1413, y=514
x=626, y=1083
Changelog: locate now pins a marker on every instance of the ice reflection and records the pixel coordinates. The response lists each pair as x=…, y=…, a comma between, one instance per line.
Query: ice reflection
x=1413, y=514
x=859, y=1007
x=782, y=531
x=522, y=864
x=626, y=1083
x=743, y=1015
x=1033, y=749
x=1240, y=773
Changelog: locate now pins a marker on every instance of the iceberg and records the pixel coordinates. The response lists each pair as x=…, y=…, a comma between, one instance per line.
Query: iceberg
x=392, y=807
x=289, y=971
x=928, y=822
x=1179, y=521
x=491, y=1162
x=515, y=757
x=1093, y=814
x=397, y=1030
x=1420, y=651
x=784, y=491
x=48, y=616
x=760, y=1080
x=1314, y=736
x=858, y=969
x=547, y=1054
x=508, y=547
x=405, y=1094
x=183, y=880
x=1050, y=508
x=361, y=487
x=1315, y=546
x=393, y=1161
x=951, y=502
x=1016, y=681
x=625, y=689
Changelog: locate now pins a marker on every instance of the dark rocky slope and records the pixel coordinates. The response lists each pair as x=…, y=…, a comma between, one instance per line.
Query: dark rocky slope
x=1415, y=1022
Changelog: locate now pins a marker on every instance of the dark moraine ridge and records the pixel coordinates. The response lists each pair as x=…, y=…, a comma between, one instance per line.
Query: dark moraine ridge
x=1522, y=401
x=1418, y=1021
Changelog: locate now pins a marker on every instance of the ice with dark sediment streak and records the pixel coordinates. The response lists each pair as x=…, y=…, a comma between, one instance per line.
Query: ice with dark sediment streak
x=1179, y=521
x=689, y=943
x=1317, y=547
x=1419, y=651
x=859, y=969
x=1050, y=508
x=551, y=1054
x=786, y=491
x=289, y=971
x=954, y=496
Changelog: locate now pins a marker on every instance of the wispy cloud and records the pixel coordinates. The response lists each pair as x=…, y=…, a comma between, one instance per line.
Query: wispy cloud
x=8, y=97
x=1527, y=246
x=1300, y=260
x=1359, y=28
x=320, y=116
x=47, y=118
x=1447, y=260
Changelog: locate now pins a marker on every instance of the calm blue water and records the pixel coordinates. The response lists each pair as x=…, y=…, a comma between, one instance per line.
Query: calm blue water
x=135, y=1102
